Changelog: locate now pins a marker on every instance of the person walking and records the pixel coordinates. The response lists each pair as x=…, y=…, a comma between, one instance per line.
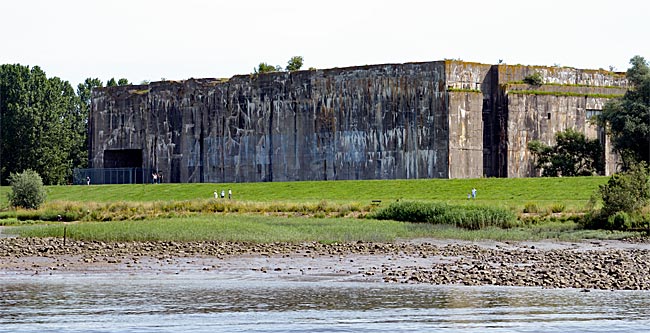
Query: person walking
x=473, y=193
x=229, y=194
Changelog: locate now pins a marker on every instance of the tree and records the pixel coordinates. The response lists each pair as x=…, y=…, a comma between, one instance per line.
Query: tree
x=84, y=93
x=27, y=190
x=628, y=118
x=572, y=155
x=120, y=82
x=39, y=124
x=266, y=68
x=294, y=64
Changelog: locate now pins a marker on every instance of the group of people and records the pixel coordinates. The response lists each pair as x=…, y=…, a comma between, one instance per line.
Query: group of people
x=156, y=177
x=223, y=194
x=472, y=194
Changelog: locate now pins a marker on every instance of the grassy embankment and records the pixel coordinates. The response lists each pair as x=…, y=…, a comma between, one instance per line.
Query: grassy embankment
x=269, y=212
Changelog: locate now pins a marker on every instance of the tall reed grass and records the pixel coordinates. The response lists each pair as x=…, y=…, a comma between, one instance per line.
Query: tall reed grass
x=125, y=210
x=270, y=229
x=468, y=216
x=239, y=228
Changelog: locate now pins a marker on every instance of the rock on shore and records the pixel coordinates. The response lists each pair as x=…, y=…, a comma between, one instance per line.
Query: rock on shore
x=582, y=266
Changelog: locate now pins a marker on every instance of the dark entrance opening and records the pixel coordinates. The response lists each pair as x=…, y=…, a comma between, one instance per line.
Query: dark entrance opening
x=121, y=166
x=123, y=158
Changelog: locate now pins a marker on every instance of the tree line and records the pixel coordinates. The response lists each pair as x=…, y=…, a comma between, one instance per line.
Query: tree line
x=43, y=123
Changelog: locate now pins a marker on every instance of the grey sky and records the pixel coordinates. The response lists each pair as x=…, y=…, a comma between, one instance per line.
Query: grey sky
x=150, y=40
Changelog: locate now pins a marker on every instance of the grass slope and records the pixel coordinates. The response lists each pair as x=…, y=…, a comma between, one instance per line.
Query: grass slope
x=573, y=192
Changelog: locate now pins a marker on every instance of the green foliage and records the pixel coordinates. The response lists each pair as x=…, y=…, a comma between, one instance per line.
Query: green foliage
x=123, y=82
x=628, y=118
x=531, y=208
x=626, y=192
x=266, y=68
x=620, y=221
x=462, y=216
x=111, y=82
x=42, y=125
x=535, y=79
x=624, y=197
x=27, y=190
x=558, y=208
x=572, y=155
x=80, y=130
x=562, y=93
x=294, y=64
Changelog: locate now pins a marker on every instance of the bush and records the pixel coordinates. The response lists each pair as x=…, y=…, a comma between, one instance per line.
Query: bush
x=626, y=192
x=558, y=208
x=531, y=207
x=27, y=190
x=617, y=221
x=535, y=79
x=620, y=221
x=462, y=216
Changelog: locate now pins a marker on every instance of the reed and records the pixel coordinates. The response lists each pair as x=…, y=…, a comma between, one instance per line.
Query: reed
x=270, y=229
x=126, y=210
x=466, y=216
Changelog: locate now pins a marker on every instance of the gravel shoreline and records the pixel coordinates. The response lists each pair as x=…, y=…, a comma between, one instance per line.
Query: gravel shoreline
x=611, y=265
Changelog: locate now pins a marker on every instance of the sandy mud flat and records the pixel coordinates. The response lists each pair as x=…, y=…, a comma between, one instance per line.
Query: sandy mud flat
x=587, y=265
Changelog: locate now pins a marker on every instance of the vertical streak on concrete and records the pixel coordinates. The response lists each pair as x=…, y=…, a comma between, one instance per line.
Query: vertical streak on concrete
x=447, y=119
x=270, y=165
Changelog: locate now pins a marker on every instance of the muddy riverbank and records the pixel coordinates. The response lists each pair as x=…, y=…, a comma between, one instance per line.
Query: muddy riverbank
x=587, y=265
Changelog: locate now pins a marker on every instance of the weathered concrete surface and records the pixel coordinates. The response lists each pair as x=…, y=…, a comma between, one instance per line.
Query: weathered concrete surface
x=444, y=119
x=375, y=122
x=540, y=117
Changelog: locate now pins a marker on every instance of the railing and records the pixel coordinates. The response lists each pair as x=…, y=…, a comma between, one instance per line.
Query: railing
x=112, y=176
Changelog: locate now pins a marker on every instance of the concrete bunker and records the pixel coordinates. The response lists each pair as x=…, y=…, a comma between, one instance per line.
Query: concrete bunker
x=441, y=119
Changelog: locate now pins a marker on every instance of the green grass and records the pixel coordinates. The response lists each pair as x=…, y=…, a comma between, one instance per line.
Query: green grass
x=244, y=228
x=189, y=212
x=573, y=192
x=263, y=229
x=563, y=93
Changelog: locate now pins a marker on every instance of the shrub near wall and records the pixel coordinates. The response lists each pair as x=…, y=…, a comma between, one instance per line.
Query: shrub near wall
x=463, y=216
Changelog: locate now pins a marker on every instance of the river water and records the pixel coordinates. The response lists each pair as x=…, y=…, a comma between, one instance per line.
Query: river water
x=200, y=303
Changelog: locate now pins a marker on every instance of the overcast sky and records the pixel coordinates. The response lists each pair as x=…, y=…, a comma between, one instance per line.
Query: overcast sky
x=178, y=39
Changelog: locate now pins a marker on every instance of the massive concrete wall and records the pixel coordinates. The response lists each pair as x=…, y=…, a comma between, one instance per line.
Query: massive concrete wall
x=468, y=86
x=372, y=122
x=445, y=119
x=568, y=99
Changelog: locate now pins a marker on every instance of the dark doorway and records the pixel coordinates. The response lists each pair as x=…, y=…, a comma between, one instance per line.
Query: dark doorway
x=123, y=158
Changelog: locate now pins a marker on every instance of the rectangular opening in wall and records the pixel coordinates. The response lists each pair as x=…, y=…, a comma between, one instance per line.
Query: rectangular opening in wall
x=123, y=158
x=593, y=113
x=548, y=115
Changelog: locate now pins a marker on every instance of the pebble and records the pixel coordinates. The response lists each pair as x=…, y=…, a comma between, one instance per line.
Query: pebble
x=465, y=264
